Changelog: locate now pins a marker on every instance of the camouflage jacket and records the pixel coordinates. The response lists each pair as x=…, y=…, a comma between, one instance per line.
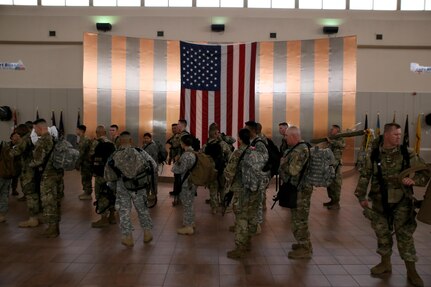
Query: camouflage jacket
x=391, y=164
x=261, y=148
x=232, y=171
x=292, y=164
x=224, y=146
x=337, y=146
x=176, y=143
x=184, y=164
x=152, y=149
x=84, y=151
x=283, y=146
x=42, y=155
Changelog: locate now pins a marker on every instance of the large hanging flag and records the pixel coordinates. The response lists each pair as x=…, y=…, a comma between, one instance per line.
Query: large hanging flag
x=418, y=134
x=217, y=85
x=53, y=119
x=406, y=141
x=377, y=131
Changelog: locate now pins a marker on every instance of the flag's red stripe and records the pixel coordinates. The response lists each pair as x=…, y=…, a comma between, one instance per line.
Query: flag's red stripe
x=241, y=87
x=205, y=123
x=183, y=103
x=217, y=106
x=252, y=80
x=229, y=89
x=193, y=112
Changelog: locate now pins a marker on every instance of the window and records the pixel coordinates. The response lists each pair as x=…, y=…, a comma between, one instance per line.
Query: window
x=259, y=3
x=108, y=3
x=361, y=4
x=25, y=2
x=128, y=3
x=156, y=3
x=77, y=3
x=387, y=5
x=310, y=4
x=232, y=3
x=207, y=3
x=283, y=4
x=334, y=4
x=6, y=2
x=53, y=2
x=180, y=3
x=411, y=5
x=428, y=5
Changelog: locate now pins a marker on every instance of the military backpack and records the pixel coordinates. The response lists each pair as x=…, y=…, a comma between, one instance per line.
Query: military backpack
x=64, y=156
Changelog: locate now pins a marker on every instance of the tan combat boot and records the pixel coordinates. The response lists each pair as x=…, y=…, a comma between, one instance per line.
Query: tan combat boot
x=384, y=266
x=102, y=222
x=412, y=274
x=301, y=252
x=127, y=240
x=31, y=222
x=148, y=236
x=52, y=231
x=237, y=253
x=186, y=230
x=296, y=246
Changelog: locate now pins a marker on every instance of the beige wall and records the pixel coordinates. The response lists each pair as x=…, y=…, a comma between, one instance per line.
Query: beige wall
x=53, y=78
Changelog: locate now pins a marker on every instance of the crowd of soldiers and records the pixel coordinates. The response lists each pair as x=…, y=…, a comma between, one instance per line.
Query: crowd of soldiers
x=391, y=210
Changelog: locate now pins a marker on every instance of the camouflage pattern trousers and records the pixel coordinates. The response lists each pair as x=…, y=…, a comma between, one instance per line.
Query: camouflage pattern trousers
x=50, y=196
x=300, y=216
x=334, y=189
x=32, y=196
x=4, y=195
x=86, y=178
x=215, y=194
x=99, y=181
x=246, y=207
x=124, y=203
x=263, y=186
x=404, y=226
x=187, y=197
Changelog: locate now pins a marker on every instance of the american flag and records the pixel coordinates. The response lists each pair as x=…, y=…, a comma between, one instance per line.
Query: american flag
x=217, y=85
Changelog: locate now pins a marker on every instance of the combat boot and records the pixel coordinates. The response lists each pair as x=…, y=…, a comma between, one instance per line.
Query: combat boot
x=2, y=217
x=301, y=252
x=52, y=231
x=102, y=222
x=384, y=266
x=412, y=274
x=148, y=236
x=127, y=240
x=186, y=230
x=31, y=222
x=237, y=253
x=112, y=219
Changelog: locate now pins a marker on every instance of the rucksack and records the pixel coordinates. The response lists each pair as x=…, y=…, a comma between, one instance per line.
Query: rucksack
x=229, y=140
x=162, y=154
x=321, y=169
x=7, y=162
x=102, y=152
x=203, y=171
x=215, y=150
x=64, y=156
x=274, y=156
x=105, y=200
x=252, y=164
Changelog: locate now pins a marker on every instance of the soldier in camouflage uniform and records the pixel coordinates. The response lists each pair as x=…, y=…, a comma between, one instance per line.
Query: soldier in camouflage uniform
x=282, y=127
x=291, y=167
x=245, y=203
x=107, y=217
x=151, y=147
x=217, y=186
x=188, y=190
x=115, y=135
x=334, y=189
x=259, y=141
x=170, y=142
x=84, y=163
x=50, y=178
x=125, y=196
x=24, y=150
x=392, y=200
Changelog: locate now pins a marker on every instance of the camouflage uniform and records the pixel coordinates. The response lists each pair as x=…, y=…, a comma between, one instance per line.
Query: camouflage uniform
x=244, y=203
x=188, y=190
x=139, y=198
x=290, y=168
x=264, y=176
x=216, y=187
x=334, y=189
x=400, y=202
x=24, y=150
x=84, y=164
x=152, y=150
x=283, y=146
x=50, y=193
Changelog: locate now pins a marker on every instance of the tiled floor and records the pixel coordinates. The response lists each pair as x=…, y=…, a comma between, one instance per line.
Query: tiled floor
x=343, y=244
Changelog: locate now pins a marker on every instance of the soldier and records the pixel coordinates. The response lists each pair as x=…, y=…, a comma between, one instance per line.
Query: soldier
x=392, y=200
x=24, y=150
x=84, y=163
x=15, y=138
x=115, y=134
x=282, y=127
x=116, y=170
x=151, y=147
x=334, y=189
x=100, y=151
x=187, y=194
x=245, y=203
x=178, y=150
x=7, y=172
x=220, y=151
x=258, y=141
x=48, y=178
x=292, y=167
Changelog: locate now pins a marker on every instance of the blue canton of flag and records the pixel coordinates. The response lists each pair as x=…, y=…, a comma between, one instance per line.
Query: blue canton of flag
x=200, y=66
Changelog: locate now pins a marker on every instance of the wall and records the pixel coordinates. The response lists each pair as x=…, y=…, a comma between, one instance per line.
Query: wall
x=53, y=78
